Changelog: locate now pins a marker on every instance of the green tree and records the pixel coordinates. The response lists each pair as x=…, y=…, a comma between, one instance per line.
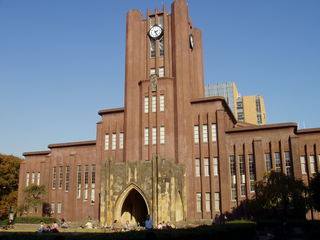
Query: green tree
x=33, y=197
x=314, y=192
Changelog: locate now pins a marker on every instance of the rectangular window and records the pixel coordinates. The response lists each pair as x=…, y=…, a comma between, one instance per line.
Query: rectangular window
x=38, y=179
x=146, y=136
x=146, y=104
x=121, y=136
x=67, y=180
x=33, y=176
x=161, y=103
x=252, y=172
x=215, y=166
x=287, y=157
x=27, y=179
x=267, y=158
x=208, y=202
x=154, y=135
x=86, y=181
x=242, y=167
x=233, y=177
x=206, y=167
x=162, y=135
x=217, y=202
x=78, y=181
x=106, y=142
x=54, y=177
x=152, y=71
x=152, y=21
x=52, y=207
x=152, y=47
x=160, y=20
x=161, y=71
x=114, y=141
x=196, y=133
x=205, y=133
x=277, y=157
x=198, y=200
x=197, y=165
x=93, y=183
x=303, y=164
x=312, y=164
x=60, y=177
x=161, y=47
x=59, y=207
x=154, y=103
x=214, y=132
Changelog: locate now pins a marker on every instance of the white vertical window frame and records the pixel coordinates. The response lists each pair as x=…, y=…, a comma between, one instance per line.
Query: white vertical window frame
x=59, y=207
x=198, y=202
x=206, y=167
x=106, y=142
x=214, y=132
x=121, y=139
x=146, y=104
x=33, y=176
x=303, y=164
x=208, y=202
x=162, y=135
x=161, y=102
x=93, y=183
x=146, y=136
x=54, y=177
x=27, y=179
x=217, y=202
x=67, y=179
x=196, y=133
x=86, y=182
x=78, y=181
x=312, y=164
x=215, y=166
x=38, y=179
x=268, y=161
x=197, y=167
x=52, y=207
x=205, y=133
x=152, y=71
x=154, y=135
x=161, y=71
x=114, y=141
x=60, y=177
x=154, y=103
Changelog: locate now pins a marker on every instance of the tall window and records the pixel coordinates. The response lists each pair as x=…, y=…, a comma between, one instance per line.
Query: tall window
x=287, y=157
x=161, y=103
x=152, y=47
x=93, y=183
x=208, y=202
x=59, y=207
x=78, y=181
x=252, y=171
x=277, y=157
x=38, y=179
x=152, y=21
x=60, y=177
x=121, y=136
x=217, y=202
x=52, y=207
x=198, y=200
x=160, y=20
x=154, y=135
x=215, y=166
x=242, y=167
x=197, y=167
x=106, y=142
x=214, y=132
x=146, y=136
x=162, y=135
x=196, y=133
x=86, y=181
x=205, y=133
x=27, y=179
x=67, y=180
x=114, y=141
x=154, y=103
x=267, y=158
x=33, y=176
x=312, y=164
x=233, y=177
x=146, y=104
x=161, y=47
x=54, y=177
x=161, y=71
x=303, y=164
x=206, y=167
x=152, y=71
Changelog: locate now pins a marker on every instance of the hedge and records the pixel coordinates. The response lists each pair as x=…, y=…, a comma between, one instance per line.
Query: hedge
x=34, y=220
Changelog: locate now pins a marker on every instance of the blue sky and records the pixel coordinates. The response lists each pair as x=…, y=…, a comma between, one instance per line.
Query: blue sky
x=62, y=61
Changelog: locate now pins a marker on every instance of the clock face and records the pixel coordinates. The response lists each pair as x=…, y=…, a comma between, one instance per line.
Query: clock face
x=191, y=40
x=155, y=32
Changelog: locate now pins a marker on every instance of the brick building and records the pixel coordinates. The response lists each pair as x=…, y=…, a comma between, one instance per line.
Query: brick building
x=169, y=151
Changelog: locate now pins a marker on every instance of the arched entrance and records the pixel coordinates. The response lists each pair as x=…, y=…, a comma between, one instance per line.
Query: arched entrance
x=134, y=208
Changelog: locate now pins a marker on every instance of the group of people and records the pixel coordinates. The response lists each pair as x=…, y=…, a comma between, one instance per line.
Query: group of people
x=220, y=219
x=45, y=228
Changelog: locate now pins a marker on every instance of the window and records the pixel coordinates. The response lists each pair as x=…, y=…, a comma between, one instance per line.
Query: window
x=277, y=157
x=86, y=181
x=59, y=207
x=206, y=167
x=106, y=142
x=146, y=104
x=33, y=176
x=267, y=157
x=160, y=20
x=243, y=188
x=217, y=202
x=60, y=177
x=215, y=166
x=146, y=136
x=161, y=103
x=114, y=141
x=233, y=177
x=198, y=200
x=161, y=47
x=152, y=47
x=205, y=133
x=78, y=181
x=161, y=71
x=196, y=133
x=152, y=71
x=154, y=104
x=54, y=177
x=52, y=207
x=121, y=140
x=38, y=179
x=214, y=132
x=252, y=172
x=303, y=164
x=162, y=135
x=197, y=165
x=152, y=21
x=312, y=164
x=27, y=179
x=67, y=180
x=208, y=202
x=287, y=157
x=93, y=183
x=154, y=135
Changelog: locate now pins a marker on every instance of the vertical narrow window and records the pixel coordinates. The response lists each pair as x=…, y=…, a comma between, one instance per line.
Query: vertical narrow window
x=154, y=103
x=121, y=136
x=38, y=179
x=86, y=182
x=33, y=176
x=152, y=47
x=67, y=180
x=114, y=141
x=106, y=142
x=233, y=177
x=214, y=132
x=161, y=71
x=146, y=104
x=52, y=207
x=78, y=181
x=93, y=183
x=208, y=202
x=152, y=71
x=252, y=171
x=27, y=179
x=287, y=157
x=205, y=133
x=206, y=167
x=162, y=135
x=59, y=207
x=146, y=136
x=160, y=20
x=198, y=200
x=312, y=164
x=215, y=166
x=242, y=167
x=197, y=167
x=303, y=164
x=60, y=177
x=54, y=177
x=161, y=103
x=196, y=133
x=152, y=21
x=267, y=158
x=217, y=202
x=277, y=157
x=161, y=47
x=154, y=135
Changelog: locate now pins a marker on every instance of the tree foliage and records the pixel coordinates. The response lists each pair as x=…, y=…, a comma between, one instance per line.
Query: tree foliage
x=33, y=197
x=314, y=192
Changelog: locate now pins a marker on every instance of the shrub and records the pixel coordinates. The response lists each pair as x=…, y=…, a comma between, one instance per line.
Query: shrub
x=34, y=220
